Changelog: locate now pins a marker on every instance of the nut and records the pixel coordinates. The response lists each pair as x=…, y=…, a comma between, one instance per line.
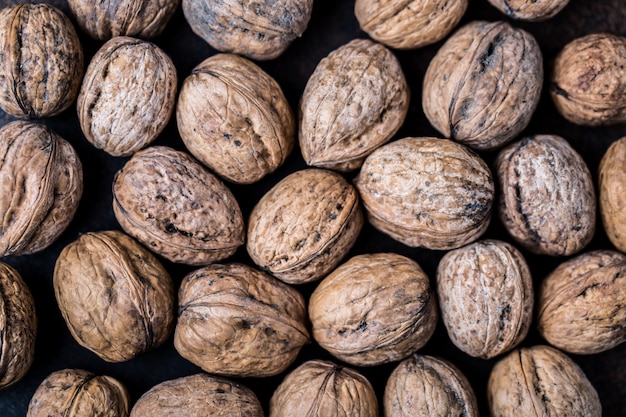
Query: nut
x=611, y=186
x=531, y=10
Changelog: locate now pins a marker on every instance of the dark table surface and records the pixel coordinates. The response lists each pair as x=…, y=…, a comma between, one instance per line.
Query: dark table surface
x=332, y=25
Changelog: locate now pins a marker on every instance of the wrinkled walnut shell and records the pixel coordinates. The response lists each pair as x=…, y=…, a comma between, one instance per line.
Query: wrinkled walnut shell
x=612, y=198
x=531, y=10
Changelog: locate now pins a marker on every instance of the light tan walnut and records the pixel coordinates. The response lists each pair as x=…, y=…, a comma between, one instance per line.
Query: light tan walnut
x=612, y=193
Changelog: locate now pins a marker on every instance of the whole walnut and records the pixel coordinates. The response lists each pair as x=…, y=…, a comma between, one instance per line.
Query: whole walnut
x=18, y=327
x=79, y=393
x=198, y=395
x=322, y=388
x=547, y=196
x=428, y=386
x=304, y=226
x=484, y=84
x=42, y=61
x=531, y=10
x=486, y=297
x=581, y=307
x=374, y=309
x=143, y=19
x=612, y=199
x=235, y=119
x=588, y=80
x=540, y=381
x=409, y=24
x=127, y=96
x=256, y=30
x=115, y=297
x=173, y=205
x=234, y=320
x=355, y=101
x=41, y=179
x=427, y=192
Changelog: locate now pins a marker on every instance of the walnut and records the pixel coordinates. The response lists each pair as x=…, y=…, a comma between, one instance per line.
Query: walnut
x=486, y=297
x=41, y=179
x=18, y=327
x=42, y=61
x=235, y=119
x=580, y=305
x=355, y=101
x=177, y=208
x=115, y=297
x=540, y=381
x=322, y=388
x=428, y=386
x=611, y=186
x=143, y=19
x=588, y=80
x=303, y=227
x=427, y=192
x=79, y=393
x=547, y=199
x=409, y=24
x=198, y=395
x=531, y=10
x=234, y=320
x=374, y=309
x=257, y=30
x=484, y=84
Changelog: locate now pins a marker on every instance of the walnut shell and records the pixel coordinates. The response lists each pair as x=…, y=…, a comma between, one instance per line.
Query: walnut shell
x=428, y=386
x=531, y=10
x=322, y=388
x=198, y=395
x=42, y=61
x=127, y=96
x=355, y=101
x=484, y=84
x=588, y=80
x=256, y=30
x=18, y=327
x=547, y=198
x=303, y=227
x=540, y=381
x=612, y=195
x=486, y=297
x=143, y=19
x=115, y=297
x=427, y=192
x=409, y=24
x=581, y=304
x=235, y=119
x=374, y=309
x=173, y=205
x=41, y=179
x=234, y=320
x=78, y=393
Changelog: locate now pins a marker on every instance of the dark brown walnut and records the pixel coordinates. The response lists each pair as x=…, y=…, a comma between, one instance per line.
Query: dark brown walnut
x=531, y=10
x=18, y=327
x=127, y=96
x=612, y=193
x=547, y=196
x=428, y=386
x=115, y=297
x=355, y=101
x=486, y=297
x=581, y=304
x=42, y=61
x=427, y=192
x=258, y=30
x=409, y=24
x=177, y=208
x=374, y=309
x=484, y=84
x=79, y=393
x=304, y=226
x=540, y=381
x=234, y=320
x=235, y=119
x=323, y=388
x=41, y=179
x=143, y=19
x=588, y=80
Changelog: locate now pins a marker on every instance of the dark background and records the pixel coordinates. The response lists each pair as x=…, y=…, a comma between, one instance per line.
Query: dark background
x=332, y=25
